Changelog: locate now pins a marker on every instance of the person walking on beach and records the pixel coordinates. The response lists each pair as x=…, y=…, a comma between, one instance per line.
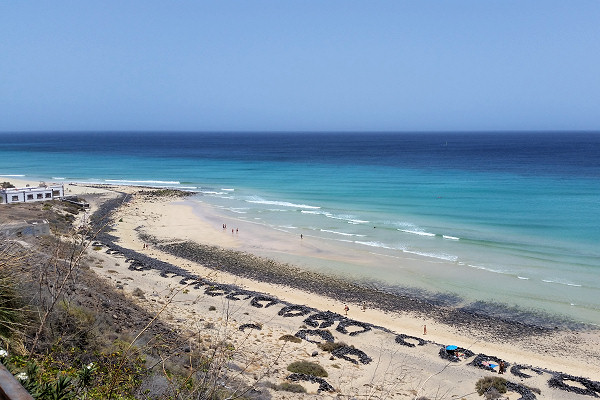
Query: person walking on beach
x=424, y=329
x=346, y=309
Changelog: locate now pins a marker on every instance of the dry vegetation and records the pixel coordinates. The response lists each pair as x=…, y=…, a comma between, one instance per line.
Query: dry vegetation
x=65, y=333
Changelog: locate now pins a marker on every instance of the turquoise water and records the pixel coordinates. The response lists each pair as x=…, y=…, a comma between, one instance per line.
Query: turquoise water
x=509, y=218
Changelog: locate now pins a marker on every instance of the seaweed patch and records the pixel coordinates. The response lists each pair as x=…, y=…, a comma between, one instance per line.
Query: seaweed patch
x=401, y=339
x=250, y=326
x=345, y=323
x=238, y=294
x=451, y=355
x=324, y=386
x=516, y=371
x=189, y=280
x=558, y=381
x=217, y=290
x=258, y=300
x=328, y=318
x=344, y=351
x=524, y=391
x=306, y=333
x=294, y=311
x=486, y=362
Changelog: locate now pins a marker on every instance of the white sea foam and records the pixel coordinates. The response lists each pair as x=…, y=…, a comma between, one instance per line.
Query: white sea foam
x=227, y=190
x=311, y=212
x=238, y=210
x=350, y=219
x=341, y=233
x=477, y=266
x=562, y=283
x=497, y=271
x=522, y=277
x=59, y=178
x=125, y=181
x=450, y=237
x=282, y=204
x=211, y=192
x=420, y=233
x=446, y=257
x=14, y=176
x=374, y=244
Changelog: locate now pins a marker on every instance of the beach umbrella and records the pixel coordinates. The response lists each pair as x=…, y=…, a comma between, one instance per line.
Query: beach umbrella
x=451, y=347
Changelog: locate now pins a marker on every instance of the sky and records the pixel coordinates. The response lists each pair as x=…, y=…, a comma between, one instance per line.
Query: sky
x=305, y=65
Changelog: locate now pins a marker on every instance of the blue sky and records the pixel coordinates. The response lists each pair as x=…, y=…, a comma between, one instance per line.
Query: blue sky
x=300, y=65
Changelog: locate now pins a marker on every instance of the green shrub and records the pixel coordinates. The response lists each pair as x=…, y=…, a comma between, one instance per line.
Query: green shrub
x=287, y=387
x=292, y=387
x=307, y=368
x=11, y=313
x=74, y=323
x=330, y=346
x=487, y=383
x=291, y=338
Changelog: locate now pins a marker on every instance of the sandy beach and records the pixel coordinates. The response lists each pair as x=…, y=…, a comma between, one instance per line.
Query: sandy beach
x=395, y=358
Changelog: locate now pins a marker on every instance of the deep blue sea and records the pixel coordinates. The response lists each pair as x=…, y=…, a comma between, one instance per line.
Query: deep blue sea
x=512, y=218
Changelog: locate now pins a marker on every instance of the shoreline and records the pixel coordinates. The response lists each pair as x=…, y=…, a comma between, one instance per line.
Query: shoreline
x=199, y=219
x=429, y=279
x=410, y=311
x=194, y=220
x=551, y=350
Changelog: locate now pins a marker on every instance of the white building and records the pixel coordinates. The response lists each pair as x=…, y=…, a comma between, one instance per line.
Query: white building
x=31, y=194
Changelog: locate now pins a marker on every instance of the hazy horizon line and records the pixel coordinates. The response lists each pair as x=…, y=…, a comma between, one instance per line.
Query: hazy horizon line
x=108, y=131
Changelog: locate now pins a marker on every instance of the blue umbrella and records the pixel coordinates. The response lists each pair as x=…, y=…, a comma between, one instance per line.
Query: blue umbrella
x=451, y=347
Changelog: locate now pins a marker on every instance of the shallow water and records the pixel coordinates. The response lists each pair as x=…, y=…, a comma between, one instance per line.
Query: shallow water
x=511, y=218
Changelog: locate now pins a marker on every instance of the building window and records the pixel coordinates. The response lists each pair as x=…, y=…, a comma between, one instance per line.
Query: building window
x=29, y=197
x=56, y=193
x=48, y=195
x=15, y=198
x=40, y=195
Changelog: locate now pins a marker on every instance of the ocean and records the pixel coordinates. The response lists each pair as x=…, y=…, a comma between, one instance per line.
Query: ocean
x=507, y=221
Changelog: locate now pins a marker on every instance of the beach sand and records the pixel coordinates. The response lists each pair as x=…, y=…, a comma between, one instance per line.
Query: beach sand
x=396, y=371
